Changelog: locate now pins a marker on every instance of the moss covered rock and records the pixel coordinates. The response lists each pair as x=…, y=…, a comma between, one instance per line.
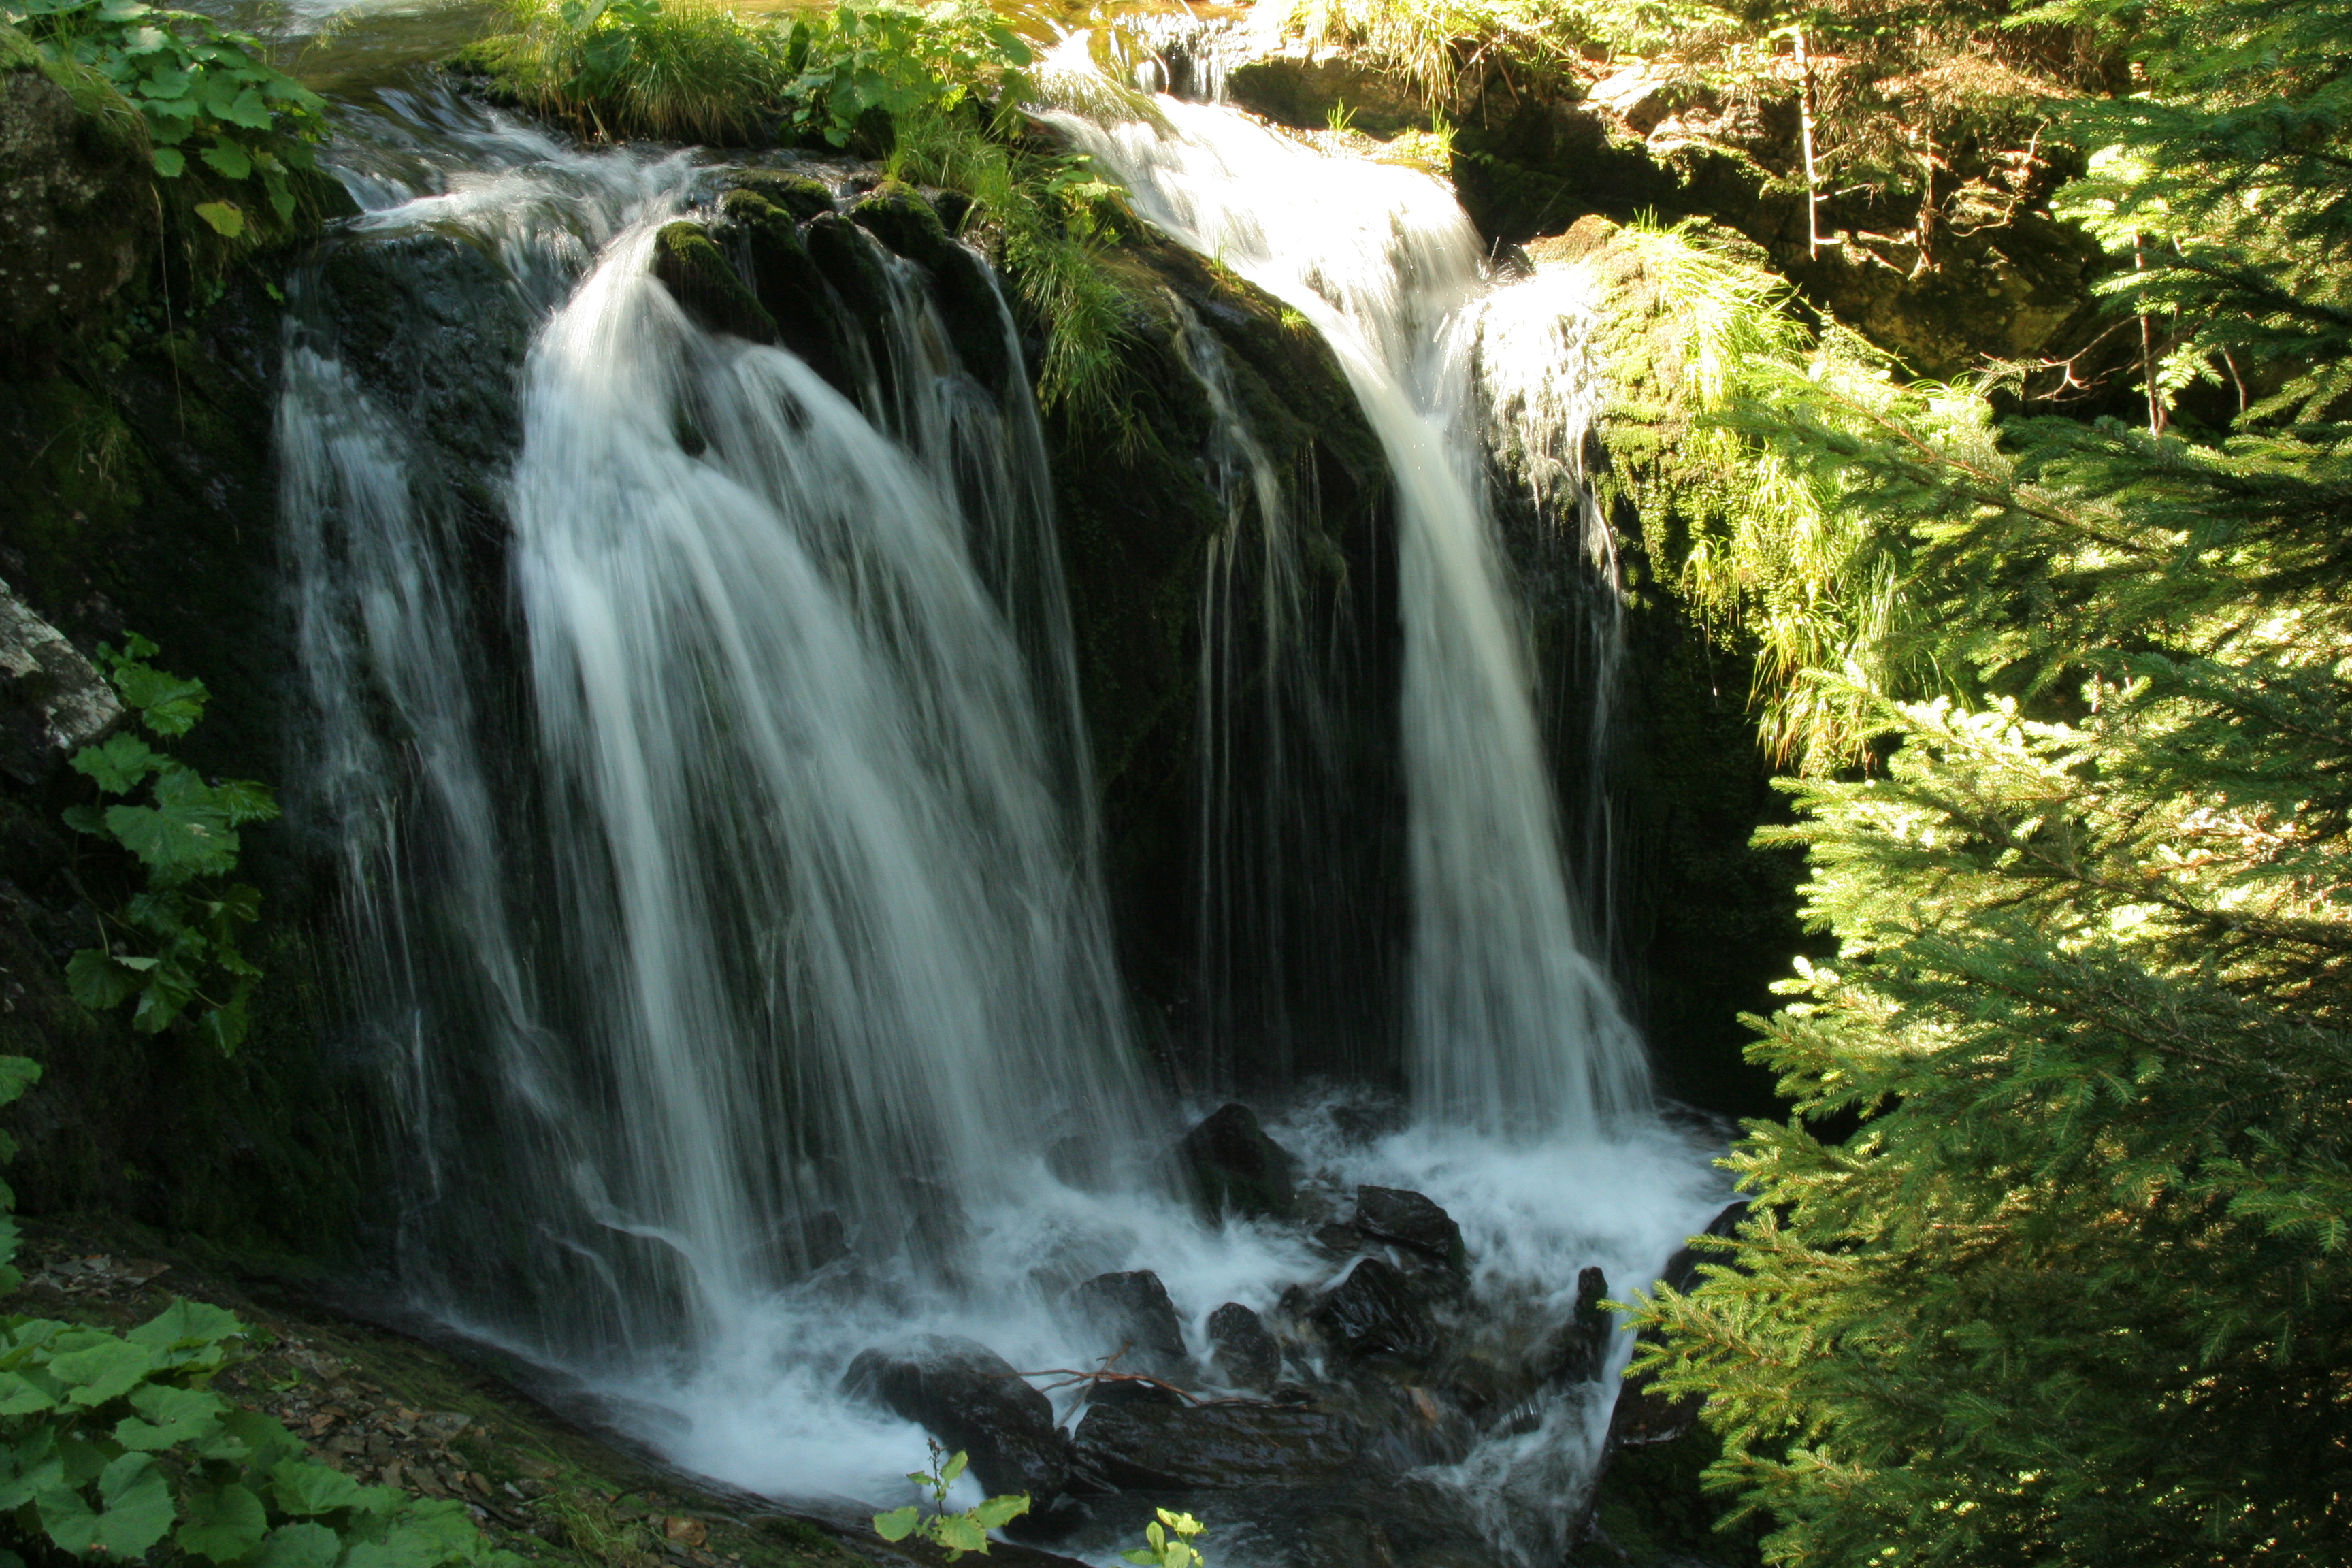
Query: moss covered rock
x=77, y=214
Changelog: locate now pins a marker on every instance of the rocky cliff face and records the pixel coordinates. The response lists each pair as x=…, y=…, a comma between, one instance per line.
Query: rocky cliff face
x=77, y=214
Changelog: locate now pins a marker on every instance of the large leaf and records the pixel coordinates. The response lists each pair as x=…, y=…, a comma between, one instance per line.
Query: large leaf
x=120, y=765
x=138, y=1507
x=99, y=981
x=304, y=1489
x=18, y=1074
x=223, y=1524
x=21, y=1395
x=186, y=1325
x=107, y=1370
x=173, y=1416
x=227, y=160
x=185, y=834
x=168, y=704
x=423, y=1536
x=297, y=1546
x=226, y=218
x=248, y=1436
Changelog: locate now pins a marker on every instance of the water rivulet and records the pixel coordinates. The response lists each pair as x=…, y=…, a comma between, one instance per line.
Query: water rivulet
x=695, y=722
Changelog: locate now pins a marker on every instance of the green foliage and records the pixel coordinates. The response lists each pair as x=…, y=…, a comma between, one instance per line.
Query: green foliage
x=111, y=1443
x=1169, y=1542
x=174, y=946
x=956, y=1533
x=2078, y=1290
x=864, y=59
x=221, y=121
x=677, y=69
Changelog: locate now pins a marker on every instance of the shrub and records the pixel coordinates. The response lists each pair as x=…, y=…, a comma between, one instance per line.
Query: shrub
x=228, y=132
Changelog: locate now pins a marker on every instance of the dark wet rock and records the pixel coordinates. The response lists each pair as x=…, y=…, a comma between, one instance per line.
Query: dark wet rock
x=798, y=196
x=1409, y=1219
x=788, y=283
x=76, y=213
x=1132, y=1311
x=970, y=1398
x=1214, y=1445
x=692, y=267
x=1238, y=1168
x=1341, y=1240
x=1579, y=1347
x=1377, y=1311
x=1131, y=1391
x=1247, y=1355
x=900, y=218
x=53, y=701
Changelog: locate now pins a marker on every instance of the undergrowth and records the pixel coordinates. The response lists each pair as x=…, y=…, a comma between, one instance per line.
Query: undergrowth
x=941, y=94
x=227, y=134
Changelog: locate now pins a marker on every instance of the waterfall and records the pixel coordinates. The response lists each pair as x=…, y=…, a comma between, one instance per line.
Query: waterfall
x=773, y=927
x=1515, y=1027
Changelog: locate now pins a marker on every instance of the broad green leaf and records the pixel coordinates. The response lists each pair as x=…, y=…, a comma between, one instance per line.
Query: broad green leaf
x=31, y=1480
x=227, y=160
x=297, y=1546
x=250, y=1438
x=138, y=1507
x=168, y=989
x=120, y=765
x=223, y=1524
x=68, y=1518
x=224, y=1027
x=303, y=1488
x=21, y=1395
x=245, y=800
x=226, y=219
x=18, y=1074
x=248, y=110
x=99, y=981
x=898, y=1524
x=173, y=1415
x=87, y=819
x=998, y=1512
x=423, y=1536
x=178, y=840
x=107, y=1370
x=186, y=1325
x=954, y=1467
x=960, y=1533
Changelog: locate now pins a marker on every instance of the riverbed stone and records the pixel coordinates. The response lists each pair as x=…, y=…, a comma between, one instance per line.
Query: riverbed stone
x=1130, y=1313
x=970, y=1398
x=1218, y=1447
x=1377, y=1311
x=693, y=268
x=1247, y=1355
x=1238, y=1168
x=1411, y=1220
x=53, y=701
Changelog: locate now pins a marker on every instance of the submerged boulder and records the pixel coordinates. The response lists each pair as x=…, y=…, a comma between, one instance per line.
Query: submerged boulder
x=1131, y=1315
x=1247, y=1355
x=969, y=1397
x=1179, y=1448
x=1375, y=1311
x=1238, y=1168
x=1410, y=1220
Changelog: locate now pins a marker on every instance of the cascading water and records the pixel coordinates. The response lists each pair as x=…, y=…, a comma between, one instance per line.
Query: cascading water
x=699, y=741
x=1514, y=1027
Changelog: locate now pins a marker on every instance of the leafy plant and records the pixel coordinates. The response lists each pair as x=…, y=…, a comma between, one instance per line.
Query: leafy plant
x=215, y=112
x=111, y=1443
x=1169, y=1542
x=867, y=59
x=957, y=1533
x=679, y=68
x=174, y=945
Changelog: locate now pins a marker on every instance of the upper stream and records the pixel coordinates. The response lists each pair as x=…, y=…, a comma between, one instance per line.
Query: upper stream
x=699, y=739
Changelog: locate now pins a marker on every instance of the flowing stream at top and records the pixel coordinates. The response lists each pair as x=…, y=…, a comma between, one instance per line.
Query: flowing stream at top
x=1514, y=1027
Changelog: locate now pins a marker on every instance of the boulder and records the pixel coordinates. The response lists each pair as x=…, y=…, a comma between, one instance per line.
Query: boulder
x=1578, y=1349
x=694, y=270
x=1410, y=1220
x=76, y=211
x=53, y=701
x=1681, y=1272
x=1247, y=1355
x=1237, y=1167
x=970, y=1398
x=1375, y=1311
x=1643, y=1415
x=1178, y=1448
x=1132, y=1310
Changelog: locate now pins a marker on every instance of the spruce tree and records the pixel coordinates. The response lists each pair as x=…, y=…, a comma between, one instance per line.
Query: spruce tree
x=2051, y=1266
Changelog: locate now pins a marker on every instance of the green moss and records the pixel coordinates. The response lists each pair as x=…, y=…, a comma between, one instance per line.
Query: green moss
x=697, y=271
